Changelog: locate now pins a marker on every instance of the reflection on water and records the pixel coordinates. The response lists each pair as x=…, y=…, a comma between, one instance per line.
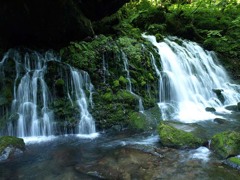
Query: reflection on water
x=117, y=156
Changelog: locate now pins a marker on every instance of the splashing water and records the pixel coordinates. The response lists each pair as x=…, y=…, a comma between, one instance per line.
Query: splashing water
x=188, y=79
x=81, y=80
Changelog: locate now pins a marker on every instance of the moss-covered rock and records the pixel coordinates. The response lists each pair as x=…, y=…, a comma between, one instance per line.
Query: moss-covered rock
x=226, y=143
x=10, y=146
x=6, y=141
x=138, y=121
x=234, y=162
x=173, y=137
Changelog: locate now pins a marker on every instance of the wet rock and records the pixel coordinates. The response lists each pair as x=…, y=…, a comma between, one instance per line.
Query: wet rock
x=124, y=163
x=232, y=108
x=218, y=92
x=238, y=106
x=220, y=120
x=226, y=143
x=65, y=157
x=10, y=146
x=210, y=109
x=233, y=162
x=173, y=137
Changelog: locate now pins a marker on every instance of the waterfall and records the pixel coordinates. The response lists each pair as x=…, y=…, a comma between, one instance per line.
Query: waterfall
x=187, y=80
x=129, y=85
x=104, y=69
x=32, y=98
x=81, y=80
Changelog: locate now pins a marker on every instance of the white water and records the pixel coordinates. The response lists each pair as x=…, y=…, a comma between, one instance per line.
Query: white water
x=80, y=81
x=31, y=95
x=129, y=85
x=187, y=79
x=32, y=98
x=201, y=153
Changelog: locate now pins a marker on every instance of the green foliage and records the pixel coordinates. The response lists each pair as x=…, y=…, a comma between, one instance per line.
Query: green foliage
x=116, y=83
x=215, y=24
x=108, y=97
x=84, y=55
x=123, y=80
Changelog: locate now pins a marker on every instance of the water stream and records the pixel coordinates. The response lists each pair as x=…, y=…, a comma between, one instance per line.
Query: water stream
x=129, y=85
x=189, y=79
x=32, y=99
x=119, y=156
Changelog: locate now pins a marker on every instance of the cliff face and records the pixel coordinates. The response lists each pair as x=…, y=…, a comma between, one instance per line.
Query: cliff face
x=52, y=23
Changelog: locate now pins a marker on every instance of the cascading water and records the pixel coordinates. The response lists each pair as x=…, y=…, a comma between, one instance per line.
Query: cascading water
x=105, y=69
x=188, y=79
x=31, y=95
x=32, y=99
x=81, y=80
x=129, y=85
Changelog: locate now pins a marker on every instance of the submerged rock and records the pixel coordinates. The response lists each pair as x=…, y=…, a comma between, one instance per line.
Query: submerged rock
x=226, y=143
x=173, y=137
x=10, y=146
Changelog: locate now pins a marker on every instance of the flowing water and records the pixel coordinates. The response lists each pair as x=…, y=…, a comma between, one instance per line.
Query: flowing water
x=81, y=80
x=186, y=81
x=119, y=156
x=129, y=85
x=188, y=77
x=32, y=99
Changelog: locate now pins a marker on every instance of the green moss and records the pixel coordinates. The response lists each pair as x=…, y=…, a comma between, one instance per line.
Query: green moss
x=172, y=137
x=226, y=143
x=65, y=111
x=126, y=97
x=6, y=141
x=235, y=160
x=59, y=82
x=138, y=121
x=59, y=86
x=123, y=80
x=108, y=96
x=116, y=83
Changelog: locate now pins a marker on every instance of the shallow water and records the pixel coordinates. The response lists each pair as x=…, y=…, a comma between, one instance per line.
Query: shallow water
x=119, y=156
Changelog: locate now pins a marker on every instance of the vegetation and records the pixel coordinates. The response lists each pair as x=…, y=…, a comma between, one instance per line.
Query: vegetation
x=172, y=137
x=6, y=141
x=226, y=143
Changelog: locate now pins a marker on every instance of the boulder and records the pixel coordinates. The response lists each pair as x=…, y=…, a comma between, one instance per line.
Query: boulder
x=219, y=95
x=220, y=120
x=232, y=108
x=10, y=146
x=226, y=143
x=210, y=109
x=173, y=137
x=234, y=162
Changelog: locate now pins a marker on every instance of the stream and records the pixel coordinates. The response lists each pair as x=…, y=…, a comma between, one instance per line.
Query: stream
x=112, y=156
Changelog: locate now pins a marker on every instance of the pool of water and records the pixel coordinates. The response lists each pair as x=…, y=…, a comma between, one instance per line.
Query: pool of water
x=108, y=156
